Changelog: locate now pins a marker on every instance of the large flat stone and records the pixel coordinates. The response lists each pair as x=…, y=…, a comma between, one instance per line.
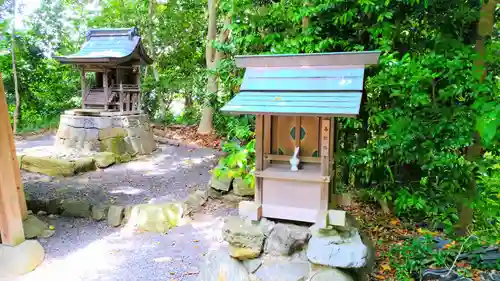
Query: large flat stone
x=338, y=251
x=219, y=266
x=48, y=166
x=21, y=259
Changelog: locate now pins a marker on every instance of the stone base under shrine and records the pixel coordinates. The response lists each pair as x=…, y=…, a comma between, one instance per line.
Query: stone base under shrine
x=118, y=134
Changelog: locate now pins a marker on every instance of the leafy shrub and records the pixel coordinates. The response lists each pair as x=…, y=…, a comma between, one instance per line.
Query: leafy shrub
x=239, y=162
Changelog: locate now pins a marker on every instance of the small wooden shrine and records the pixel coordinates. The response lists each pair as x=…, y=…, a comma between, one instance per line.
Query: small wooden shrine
x=114, y=56
x=295, y=99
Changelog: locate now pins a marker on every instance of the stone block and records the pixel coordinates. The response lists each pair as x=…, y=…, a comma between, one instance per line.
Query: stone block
x=140, y=145
x=77, y=208
x=284, y=271
x=194, y=201
x=64, y=131
x=330, y=274
x=99, y=212
x=107, y=133
x=21, y=259
x=137, y=132
x=223, y=183
x=249, y=210
x=115, y=145
x=157, y=218
x=218, y=265
x=286, y=239
x=48, y=166
x=104, y=159
x=34, y=227
x=92, y=145
x=252, y=265
x=338, y=251
x=83, y=165
x=72, y=121
x=242, y=188
x=245, y=240
x=91, y=134
x=115, y=215
x=103, y=122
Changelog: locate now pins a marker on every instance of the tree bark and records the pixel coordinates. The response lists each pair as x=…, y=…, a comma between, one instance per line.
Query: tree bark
x=473, y=152
x=212, y=58
x=17, y=110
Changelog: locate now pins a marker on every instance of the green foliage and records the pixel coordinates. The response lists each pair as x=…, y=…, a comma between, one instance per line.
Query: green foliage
x=412, y=256
x=239, y=162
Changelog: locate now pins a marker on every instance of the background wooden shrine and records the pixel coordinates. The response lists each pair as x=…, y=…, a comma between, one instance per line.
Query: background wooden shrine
x=115, y=56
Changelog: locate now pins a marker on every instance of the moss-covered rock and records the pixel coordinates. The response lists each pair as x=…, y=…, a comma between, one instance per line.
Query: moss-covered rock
x=105, y=159
x=242, y=188
x=84, y=165
x=155, y=217
x=75, y=208
x=48, y=166
x=107, y=133
x=33, y=227
x=125, y=157
x=115, y=145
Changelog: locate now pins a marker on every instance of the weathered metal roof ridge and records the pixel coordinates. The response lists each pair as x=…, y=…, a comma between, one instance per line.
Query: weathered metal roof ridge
x=315, y=60
x=112, y=32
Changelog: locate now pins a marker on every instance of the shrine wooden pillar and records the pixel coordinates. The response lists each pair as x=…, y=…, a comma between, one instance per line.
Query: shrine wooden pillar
x=12, y=201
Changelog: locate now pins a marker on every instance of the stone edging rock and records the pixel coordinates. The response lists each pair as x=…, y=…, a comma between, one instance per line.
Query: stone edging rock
x=158, y=217
x=265, y=251
x=61, y=167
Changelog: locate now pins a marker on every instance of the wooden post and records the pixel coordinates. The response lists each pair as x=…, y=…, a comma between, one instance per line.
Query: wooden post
x=11, y=225
x=325, y=163
x=267, y=139
x=105, y=86
x=297, y=132
x=121, y=97
x=259, y=161
x=84, y=86
x=139, y=104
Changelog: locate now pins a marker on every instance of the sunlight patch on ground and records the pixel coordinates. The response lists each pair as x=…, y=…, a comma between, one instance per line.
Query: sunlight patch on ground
x=90, y=263
x=128, y=190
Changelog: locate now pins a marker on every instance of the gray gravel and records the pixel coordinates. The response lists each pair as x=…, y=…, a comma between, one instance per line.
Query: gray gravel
x=85, y=250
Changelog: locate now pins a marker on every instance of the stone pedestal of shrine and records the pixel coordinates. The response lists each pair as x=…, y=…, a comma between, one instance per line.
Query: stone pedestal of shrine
x=117, y=134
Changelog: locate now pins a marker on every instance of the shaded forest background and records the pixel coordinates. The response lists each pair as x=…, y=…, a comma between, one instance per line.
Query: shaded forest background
x=426, y=145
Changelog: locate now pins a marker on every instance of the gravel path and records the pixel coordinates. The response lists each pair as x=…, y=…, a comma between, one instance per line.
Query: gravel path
x=86, y=250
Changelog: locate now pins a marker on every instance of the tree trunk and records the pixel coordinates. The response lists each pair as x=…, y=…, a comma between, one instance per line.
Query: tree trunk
x=473, y=152
x=205, y=126
x=188, y=101
x=162, y=107
x=17, y=110
x=212, y=58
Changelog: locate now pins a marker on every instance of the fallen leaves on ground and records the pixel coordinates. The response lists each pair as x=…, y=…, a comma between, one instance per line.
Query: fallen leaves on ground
x=187, y=135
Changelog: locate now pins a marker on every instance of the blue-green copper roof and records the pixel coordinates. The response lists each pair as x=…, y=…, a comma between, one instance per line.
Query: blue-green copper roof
x=109, y=45
x=324, y=84
x=295, y=103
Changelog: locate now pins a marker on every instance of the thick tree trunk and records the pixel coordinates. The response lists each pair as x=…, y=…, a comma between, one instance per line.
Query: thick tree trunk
x=162, y=107
x=17, y=110
x=473, y=152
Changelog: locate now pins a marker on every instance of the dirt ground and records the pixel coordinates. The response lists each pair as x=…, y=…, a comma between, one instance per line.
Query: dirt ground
x=82, y=249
